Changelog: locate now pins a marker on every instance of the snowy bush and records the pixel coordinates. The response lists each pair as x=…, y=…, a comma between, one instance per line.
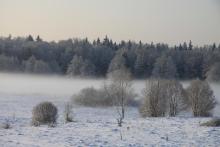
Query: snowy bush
x=44, y=113
x=201, y=98
x=5, y=125
x=175, y=97
x=154, y=104
x=91, y=97
x=102, y=97
x=163, y=97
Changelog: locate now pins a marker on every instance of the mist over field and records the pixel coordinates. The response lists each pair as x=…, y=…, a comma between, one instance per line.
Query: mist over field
x=24, y=84
x=49, y=85
x=63, y=88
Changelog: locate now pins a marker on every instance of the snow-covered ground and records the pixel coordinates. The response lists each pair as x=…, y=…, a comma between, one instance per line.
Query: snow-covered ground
x=92, y=126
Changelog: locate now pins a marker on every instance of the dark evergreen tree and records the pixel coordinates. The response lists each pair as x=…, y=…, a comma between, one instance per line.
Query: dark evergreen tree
x=38, y=39
x=185, y=46
x=180, y=47
x=213, y=46
x=30, y=38
x=98, y=41
x=190, y=45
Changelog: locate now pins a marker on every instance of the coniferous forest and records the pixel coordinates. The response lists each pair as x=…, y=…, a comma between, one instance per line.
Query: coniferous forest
x=82, y=58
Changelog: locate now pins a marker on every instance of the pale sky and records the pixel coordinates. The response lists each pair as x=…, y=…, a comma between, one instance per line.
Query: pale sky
x=169, y=21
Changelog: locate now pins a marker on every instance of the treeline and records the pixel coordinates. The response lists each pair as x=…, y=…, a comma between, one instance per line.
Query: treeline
x=79, y=57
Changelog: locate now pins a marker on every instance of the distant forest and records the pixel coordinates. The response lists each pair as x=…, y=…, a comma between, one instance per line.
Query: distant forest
x=81, y=58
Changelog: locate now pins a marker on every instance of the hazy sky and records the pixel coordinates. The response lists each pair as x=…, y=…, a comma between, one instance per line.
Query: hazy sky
x=170, y=21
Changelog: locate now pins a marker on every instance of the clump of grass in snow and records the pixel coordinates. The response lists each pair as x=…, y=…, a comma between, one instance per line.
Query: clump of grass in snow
x=5, y=125
x=212, y=123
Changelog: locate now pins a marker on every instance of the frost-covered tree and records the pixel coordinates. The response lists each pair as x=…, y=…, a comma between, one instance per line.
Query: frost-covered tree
x=164, y=68
x=32, y=65
x=118, y=62
x=119, y=90
x=87, y=69
x=139, y=66
x=41, y=67
x=154, y=100
x=162, y=97
x=80, y=67
x=214, y=73
x=29, y=64
x=9, y=63
x=201, y=98
x=174, y=94
x=74, y=67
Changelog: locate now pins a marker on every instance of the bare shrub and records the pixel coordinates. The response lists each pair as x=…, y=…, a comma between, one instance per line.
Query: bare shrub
x=162, y=97
x=92, y=97
x=175, y=97
x=44, y=113
x=154, y=104
x=201, y=98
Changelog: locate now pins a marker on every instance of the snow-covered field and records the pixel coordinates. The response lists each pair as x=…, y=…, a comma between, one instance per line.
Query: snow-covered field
x=92, y=126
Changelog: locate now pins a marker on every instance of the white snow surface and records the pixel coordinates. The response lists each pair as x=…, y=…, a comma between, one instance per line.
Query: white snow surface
x=93, y=127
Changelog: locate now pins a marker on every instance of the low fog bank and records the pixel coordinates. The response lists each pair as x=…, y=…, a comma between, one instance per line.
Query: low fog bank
x=24, y=84
x=50, y=85
x=58, y=86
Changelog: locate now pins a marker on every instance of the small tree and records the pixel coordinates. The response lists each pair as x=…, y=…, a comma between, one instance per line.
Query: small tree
x=119, y=89
x=174, y=97
x=165, y=68
x=118, y=62
x=80, y=67
x=32, y=65
x=162, y=97
x=30, y=38
x=38, y=39
x=44, y=113
x=75, y=66
x=154, y=104
x=201, y=98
